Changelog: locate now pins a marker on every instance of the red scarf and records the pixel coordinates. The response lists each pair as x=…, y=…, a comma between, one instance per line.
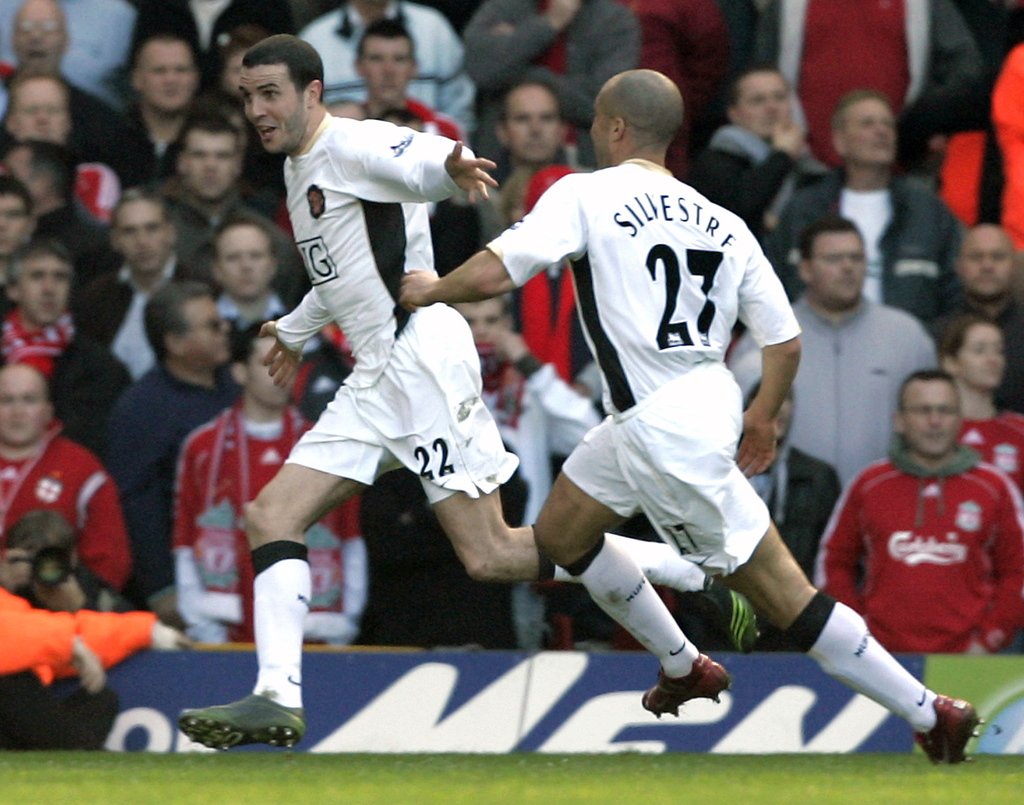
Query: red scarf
x=503, y=386
x=38, y=348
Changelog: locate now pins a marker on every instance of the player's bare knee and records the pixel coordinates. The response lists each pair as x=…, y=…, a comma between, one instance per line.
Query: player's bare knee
x=254, y=522
x=261, y=526
x=482, y=566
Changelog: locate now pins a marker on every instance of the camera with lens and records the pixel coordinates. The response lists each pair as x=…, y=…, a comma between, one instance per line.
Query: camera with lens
x=52, y=566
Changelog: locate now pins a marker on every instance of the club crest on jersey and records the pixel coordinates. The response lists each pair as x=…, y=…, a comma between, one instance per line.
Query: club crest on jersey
x=398, y=150
x=48, y=489
x=968, y=516
x=317, y=202
x=1004, y=456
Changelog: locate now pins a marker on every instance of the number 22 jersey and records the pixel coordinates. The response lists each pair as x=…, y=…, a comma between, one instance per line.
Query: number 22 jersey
x=661, y=273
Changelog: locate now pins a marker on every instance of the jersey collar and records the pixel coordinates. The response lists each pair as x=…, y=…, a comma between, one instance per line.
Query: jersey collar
x=647, y=165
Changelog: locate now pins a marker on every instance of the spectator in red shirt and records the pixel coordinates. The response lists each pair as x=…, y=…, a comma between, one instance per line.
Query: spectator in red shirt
x=927, y=544
x=972, y=351
x=222, y=466
x=40, y=469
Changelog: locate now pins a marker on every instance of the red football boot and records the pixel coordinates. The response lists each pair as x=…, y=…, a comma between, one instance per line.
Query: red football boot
x=706, y=680
x=955, y=725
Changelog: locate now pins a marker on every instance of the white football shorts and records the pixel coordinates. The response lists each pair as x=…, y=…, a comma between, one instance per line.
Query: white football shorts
x=673, y=457
x=425, y=412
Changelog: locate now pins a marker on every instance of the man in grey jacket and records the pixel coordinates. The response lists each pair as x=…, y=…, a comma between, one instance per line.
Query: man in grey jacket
x=855, y=354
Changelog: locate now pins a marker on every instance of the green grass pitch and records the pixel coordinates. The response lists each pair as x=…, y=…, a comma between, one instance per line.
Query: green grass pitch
x=292, y=779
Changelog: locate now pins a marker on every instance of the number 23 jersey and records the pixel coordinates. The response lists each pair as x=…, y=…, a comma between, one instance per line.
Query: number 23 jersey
x=661, y=273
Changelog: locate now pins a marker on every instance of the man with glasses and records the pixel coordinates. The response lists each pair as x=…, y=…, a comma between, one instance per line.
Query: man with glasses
x=190, y=384
x=855, y=353
x=926, y=544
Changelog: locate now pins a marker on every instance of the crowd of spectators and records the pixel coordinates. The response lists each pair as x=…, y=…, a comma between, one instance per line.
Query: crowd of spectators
x=143, y=231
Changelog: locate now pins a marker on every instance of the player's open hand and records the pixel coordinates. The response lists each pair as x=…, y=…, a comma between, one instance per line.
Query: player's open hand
x=758, y=445
x=281, y=362
x=416, y=289
x=470, y=174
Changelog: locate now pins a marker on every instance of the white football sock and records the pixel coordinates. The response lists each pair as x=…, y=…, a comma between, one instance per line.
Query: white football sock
x=847, y=651
x=659, y=562
x=280, y=603
x=619, y=587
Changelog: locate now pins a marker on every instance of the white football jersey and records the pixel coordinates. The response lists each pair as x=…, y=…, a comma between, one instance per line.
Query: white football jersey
x=661, y=273
x=355, y=203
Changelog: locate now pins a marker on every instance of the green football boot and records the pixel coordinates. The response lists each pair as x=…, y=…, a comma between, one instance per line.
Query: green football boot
x=731, y=612
x=253, y=720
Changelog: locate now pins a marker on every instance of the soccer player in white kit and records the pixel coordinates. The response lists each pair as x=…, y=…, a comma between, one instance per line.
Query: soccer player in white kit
x=661, y=275
x=414, y=398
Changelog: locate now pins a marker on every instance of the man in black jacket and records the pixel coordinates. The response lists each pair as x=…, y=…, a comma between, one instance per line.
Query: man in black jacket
x=752, y=165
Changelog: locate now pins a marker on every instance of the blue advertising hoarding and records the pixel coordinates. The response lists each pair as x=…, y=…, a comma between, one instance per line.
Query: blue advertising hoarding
x=499, y=702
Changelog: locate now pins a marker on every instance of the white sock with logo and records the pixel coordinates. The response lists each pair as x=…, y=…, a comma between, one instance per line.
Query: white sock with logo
x=619, y=587
x=659, y=562
x=846, y=650
x=280, y=603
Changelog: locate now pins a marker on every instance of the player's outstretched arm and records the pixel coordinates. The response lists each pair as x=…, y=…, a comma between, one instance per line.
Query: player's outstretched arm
x=482, y=276
x=757, y=448
x=281, y=362
x=470, y=174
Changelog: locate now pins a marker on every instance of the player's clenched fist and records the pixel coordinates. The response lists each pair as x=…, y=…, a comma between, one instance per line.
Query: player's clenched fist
x=416, y=289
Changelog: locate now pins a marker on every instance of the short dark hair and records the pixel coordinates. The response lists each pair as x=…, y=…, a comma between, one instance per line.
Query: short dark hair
x=386, y=28
x=55, y=161
x=244, y=341
x=733, y=95
x=532, y=82
x=167, y=37
x=955, y=333
x=38, y=247
x=924, y=376
x=165, y=312
x=41, y=528
x=244, y=219
x=825, y=225
x=136, y=194
x=210, y=121
x=303, y=62
x=9, y=186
